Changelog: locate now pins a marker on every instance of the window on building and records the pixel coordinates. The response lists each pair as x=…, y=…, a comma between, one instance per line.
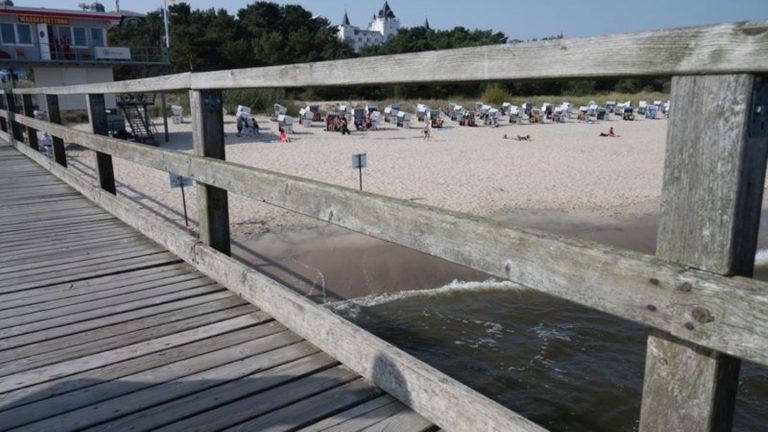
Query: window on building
x=24, y=33
x=8, y=33
x=79, y=37
x=97, y=37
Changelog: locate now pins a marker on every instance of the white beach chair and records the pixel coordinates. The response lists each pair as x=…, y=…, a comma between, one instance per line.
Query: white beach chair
x=249, y=126
x=177, y=112
x=286, y=123
x=642, y=106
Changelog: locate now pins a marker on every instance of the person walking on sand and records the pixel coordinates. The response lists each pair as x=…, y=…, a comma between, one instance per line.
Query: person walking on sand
x=345, y=127
x=427, y=130
x=282, y=136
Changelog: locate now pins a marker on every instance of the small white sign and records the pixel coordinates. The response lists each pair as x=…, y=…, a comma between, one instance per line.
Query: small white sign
x=178, y=181
x=112, y=53
x=359, y=160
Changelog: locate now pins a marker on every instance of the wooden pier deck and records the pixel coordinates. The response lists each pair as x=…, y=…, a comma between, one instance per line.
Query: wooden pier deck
x=102, y=329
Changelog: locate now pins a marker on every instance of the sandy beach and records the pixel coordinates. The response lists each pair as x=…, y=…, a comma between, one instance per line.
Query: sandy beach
x=566, y=179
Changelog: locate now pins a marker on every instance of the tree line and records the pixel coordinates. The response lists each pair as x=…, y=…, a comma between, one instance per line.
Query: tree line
x=265, y=34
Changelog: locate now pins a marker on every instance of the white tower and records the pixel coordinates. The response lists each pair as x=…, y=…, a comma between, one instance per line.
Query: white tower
x=385, y=22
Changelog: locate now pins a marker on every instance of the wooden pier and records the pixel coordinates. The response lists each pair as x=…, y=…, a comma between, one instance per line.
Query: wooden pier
x=102, y=329
x=696, y=294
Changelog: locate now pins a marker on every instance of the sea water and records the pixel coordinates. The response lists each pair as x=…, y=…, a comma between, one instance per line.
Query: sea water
x=564, y=366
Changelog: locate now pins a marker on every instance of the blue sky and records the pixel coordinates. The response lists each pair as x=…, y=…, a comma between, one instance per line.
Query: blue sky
x=516, y=18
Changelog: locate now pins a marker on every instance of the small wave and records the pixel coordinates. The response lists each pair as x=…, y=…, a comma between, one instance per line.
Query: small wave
x=375, y=300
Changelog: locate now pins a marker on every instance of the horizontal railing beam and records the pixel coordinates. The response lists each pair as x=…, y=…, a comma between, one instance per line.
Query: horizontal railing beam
x=718, y=49
x=160, y=83
x=630, y=285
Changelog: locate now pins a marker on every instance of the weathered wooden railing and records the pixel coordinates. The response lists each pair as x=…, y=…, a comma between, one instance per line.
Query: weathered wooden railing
x=696, y=294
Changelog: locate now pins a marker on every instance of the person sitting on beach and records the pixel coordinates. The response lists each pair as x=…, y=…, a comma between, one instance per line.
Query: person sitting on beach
x=609, y=134
x=282, y=136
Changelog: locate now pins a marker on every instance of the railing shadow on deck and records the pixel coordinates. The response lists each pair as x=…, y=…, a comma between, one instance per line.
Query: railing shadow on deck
x=691, y=292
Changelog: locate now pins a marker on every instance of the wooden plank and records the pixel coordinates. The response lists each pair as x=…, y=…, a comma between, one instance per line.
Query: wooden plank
x=161, y=83
x=16, y=268
x=97, y=113
x=35, y=272
x=725, y=48
x=41, y=301
x=43, y=253
x=123, y=368
x=48, y=206
x=95, y=323
x=313, y=408
x=54, y=116
x=126, y=327
x=26, y=101
x=188, y=387
x=106, y=284
x=57, y=321
x=96, y=216
x=95, y=269
x=79, y=309
x=60, y=233
x=623, y=283
x=403, y=420
x=713, y=187
x=208, y=140
x=35, y=376
x=74, y=351
x=359, y=417
x=175, y=377
x=264, y=402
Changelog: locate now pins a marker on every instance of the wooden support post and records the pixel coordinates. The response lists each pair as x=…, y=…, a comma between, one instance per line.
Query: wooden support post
x=97, y=112
x=208, y=139
x=29, y=111
x=710, y=210
x=54, y=116
x=3, y=120
x=15, y=127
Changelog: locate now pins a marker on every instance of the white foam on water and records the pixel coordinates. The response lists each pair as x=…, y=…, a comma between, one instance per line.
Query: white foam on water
x=353, y=305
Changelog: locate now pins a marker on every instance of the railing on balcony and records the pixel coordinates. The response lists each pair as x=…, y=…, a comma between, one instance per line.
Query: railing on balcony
x=91, y=55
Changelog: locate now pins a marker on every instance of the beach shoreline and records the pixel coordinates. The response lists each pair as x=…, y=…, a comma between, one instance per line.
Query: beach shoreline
x=567, y=180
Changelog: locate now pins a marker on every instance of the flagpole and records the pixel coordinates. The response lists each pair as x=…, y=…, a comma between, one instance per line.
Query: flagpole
x=165, y=21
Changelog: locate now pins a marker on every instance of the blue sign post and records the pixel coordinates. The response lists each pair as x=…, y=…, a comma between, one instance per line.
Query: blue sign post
x=178, y=181
x=360, y=161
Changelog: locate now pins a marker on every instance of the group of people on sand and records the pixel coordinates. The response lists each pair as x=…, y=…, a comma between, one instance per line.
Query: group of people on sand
x=610, y=134
x=518, y=137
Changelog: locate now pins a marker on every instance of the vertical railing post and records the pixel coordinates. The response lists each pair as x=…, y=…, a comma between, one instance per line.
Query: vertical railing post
x=710, y=211
x=29, y=111
x=10, y=100
x=208, y=139
x=54, y=116
x=4, y=106
x=97, y=112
